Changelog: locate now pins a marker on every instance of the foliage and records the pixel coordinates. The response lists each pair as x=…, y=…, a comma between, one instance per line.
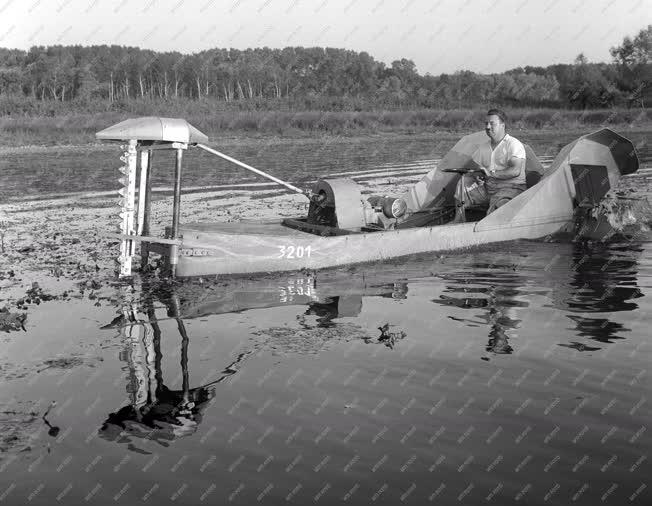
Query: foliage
x=634, y=66
x=103, y=78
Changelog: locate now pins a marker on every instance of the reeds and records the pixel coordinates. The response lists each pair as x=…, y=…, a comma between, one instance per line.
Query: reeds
x=76, y=123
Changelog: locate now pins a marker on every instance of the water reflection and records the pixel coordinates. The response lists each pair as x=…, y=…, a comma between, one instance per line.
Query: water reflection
x=339, y=296
x=495, y=289
x=599, y=329
x=331, y=309
x=588, y=282
x=589, y=285
x=155, y=412
x=603, y=280
x=158, y=413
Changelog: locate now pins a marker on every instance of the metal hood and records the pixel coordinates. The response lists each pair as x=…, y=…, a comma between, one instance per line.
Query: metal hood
x=151, y=128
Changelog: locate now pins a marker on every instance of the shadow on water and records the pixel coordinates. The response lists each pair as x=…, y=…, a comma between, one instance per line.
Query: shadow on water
x=161, y=414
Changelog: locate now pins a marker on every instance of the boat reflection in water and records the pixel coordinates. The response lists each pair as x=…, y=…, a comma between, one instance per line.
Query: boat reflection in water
x=581, y=280
x=161, y=414
x=589, y=285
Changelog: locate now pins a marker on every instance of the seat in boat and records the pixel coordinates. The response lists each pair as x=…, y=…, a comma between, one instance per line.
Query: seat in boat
x=450, y=213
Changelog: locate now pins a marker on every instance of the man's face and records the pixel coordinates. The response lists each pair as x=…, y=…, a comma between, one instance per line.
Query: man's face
x=494, y=127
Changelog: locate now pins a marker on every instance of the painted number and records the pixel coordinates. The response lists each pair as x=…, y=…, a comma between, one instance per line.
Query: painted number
x=292, y=252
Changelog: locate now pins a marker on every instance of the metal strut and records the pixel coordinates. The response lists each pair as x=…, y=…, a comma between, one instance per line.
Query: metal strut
x=255, y=170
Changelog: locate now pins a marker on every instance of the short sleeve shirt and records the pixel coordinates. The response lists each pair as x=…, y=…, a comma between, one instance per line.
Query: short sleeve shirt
x=497, y=159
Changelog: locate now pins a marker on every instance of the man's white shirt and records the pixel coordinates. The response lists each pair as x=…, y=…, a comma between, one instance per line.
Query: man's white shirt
x=496, y=160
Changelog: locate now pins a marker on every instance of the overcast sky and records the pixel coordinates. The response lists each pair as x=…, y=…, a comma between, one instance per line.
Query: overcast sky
x=438, y=35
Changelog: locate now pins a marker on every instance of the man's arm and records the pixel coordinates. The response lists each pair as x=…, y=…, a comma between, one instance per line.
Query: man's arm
x=514, y=167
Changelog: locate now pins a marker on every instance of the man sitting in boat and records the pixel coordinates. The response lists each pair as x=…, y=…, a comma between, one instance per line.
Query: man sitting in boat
x=502, y=162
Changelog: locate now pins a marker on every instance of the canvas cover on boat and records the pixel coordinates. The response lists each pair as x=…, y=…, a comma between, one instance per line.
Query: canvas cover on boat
x=602, y=147
x=437, y=188
x=603, y=156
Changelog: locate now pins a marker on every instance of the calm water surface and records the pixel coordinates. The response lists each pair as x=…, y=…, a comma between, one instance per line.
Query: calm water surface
x=517, y=373
x=39, y=174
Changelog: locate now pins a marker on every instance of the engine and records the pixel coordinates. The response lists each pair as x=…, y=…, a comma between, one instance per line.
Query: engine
x=339, y=203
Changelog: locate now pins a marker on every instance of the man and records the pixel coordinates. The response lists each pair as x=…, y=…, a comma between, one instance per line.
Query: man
x=502, y=160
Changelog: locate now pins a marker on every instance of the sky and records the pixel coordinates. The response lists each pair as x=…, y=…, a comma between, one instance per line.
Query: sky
x=439, y=36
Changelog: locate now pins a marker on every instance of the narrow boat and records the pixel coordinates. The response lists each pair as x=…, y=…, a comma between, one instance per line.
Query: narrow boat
x=344, y=228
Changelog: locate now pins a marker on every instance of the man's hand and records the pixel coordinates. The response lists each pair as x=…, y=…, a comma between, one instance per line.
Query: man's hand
x=487, y=172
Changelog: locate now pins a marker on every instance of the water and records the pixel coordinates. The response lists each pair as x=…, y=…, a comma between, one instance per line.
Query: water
x=39, y=174
x=511, y=373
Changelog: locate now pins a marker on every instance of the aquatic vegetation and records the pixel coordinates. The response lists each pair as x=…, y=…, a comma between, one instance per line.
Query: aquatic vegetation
x=4, y=226
x=20, y=425
x=11, y=321
x=35, y=295
x=313, y=340
x=62, y=363
x=69, y=362
x=624, y=213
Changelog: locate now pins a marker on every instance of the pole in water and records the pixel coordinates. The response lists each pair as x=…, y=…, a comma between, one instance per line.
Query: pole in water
x=147, y=208
x=176, y=212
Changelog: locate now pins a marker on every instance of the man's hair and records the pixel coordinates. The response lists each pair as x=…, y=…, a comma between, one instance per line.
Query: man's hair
x=498, y=112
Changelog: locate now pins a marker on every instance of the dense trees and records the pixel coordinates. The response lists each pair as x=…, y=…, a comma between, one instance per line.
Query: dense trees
x=328, y=78
x=634, y=67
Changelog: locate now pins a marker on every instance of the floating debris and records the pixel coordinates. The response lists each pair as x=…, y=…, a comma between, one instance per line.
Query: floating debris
x=53, y=431
x=390, y=338
x=35, y=295
x=67, y=363
x=12, y=321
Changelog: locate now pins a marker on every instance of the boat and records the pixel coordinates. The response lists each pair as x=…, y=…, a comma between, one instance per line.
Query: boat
x=344, y=228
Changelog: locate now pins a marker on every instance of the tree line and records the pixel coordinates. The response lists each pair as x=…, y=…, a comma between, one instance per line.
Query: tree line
x=329, y=78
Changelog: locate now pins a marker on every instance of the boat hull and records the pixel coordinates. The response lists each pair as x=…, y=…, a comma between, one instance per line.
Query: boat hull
x=242, y=248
